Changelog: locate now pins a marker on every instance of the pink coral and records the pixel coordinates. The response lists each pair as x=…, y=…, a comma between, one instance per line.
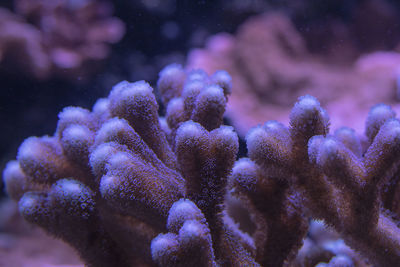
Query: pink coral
x=271, y=67
x=62, y=38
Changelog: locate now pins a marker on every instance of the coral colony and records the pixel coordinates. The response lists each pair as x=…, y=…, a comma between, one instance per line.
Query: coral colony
x=126, y=187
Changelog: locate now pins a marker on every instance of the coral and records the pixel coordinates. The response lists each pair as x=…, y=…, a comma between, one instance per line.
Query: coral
x=61, y=38
x=271, y=66
x=275, y=208
x=334, y=181
x=21, y=43
x=126, y=187
x=107, y=180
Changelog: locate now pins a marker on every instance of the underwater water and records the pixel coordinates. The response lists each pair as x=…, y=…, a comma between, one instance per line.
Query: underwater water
x=60, y=53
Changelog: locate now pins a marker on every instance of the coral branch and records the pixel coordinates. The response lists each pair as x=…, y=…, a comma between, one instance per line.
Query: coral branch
x=336, y=184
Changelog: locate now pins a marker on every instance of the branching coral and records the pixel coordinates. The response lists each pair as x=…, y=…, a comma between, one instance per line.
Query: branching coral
x=126, y=187
x=106, y=180
x=335, y=183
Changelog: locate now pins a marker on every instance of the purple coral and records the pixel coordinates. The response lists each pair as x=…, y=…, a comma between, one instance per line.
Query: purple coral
x=332, y=181
x=112, y=173
x=126, y=187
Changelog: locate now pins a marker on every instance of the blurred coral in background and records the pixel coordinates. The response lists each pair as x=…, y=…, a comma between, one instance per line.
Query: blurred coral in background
x=57, y=37
x=271, y=67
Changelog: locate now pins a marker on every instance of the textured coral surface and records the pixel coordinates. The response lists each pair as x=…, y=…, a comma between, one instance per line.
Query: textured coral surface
x=126, y=187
